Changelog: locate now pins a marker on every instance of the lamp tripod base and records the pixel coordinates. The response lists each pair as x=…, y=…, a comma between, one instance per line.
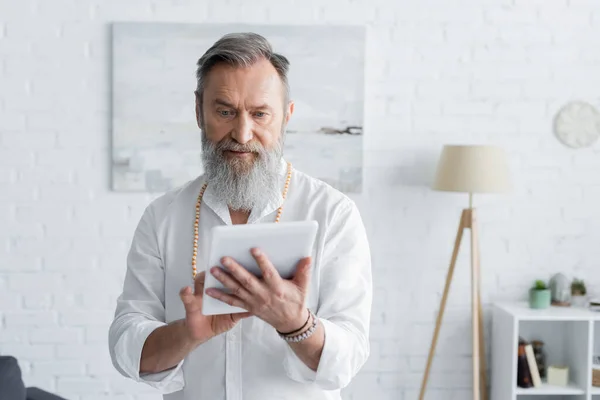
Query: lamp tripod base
x=468, y=220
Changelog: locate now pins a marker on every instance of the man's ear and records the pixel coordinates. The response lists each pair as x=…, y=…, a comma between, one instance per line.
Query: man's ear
x=289, y=112
x=198, y=109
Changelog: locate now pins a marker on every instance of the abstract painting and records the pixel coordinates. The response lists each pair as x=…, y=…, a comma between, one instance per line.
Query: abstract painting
x=155, y=140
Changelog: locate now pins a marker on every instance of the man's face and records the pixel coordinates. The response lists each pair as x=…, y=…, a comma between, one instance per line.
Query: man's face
x=243, y=112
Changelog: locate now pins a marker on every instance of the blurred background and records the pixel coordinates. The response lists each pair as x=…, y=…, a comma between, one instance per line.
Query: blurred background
x=435, y=72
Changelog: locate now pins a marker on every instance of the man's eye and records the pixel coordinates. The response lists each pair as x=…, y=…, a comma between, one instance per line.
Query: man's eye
x=260, y=114
x=225, y=113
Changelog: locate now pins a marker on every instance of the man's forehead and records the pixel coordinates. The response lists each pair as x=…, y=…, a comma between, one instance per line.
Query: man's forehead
x=256, y=78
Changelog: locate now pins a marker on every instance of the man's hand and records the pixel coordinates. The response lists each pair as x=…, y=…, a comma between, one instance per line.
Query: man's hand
x=277, y=301
x=200, y=327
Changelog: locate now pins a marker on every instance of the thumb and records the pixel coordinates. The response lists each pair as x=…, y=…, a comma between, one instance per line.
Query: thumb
x=199, y=283
x=302, y=276
x=190, y=302
x=238, y=316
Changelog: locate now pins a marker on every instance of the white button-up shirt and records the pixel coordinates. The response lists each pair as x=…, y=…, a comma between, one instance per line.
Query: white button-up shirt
x=250, y=362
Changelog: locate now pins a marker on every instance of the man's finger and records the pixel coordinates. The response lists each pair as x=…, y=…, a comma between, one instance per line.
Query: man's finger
x=231, y=283
x=190, y=302
x=241, y=274
x=226, y=298
x=302, y=275
x=199, y=283
x=269, y=272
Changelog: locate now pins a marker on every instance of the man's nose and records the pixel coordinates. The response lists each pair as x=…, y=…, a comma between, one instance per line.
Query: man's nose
x=242, y=131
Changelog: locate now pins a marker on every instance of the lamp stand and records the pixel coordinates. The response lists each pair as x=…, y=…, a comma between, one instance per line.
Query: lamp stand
x=468, y=220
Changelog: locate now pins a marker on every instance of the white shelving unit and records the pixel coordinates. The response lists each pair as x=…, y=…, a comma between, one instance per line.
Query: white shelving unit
x=571, y=336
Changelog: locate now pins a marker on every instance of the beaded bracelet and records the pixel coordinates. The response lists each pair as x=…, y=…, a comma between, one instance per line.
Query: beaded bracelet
x=305, y=335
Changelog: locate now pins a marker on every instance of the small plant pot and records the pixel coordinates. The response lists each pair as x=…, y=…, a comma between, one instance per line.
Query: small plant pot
x=539, y=298
x=578, y=300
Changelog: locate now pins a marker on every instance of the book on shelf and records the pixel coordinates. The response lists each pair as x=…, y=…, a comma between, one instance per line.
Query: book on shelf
x=528, y=374
x=533, y=367
x=523, y=374
x=594, y=304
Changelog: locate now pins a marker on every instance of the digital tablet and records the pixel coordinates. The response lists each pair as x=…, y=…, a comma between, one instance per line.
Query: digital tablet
x=284, y=243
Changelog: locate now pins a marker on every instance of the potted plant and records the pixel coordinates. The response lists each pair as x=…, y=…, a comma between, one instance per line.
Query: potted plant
x=578, y=293
x=539, y=295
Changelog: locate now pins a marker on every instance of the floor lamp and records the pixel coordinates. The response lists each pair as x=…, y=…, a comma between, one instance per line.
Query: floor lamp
x=469, y=169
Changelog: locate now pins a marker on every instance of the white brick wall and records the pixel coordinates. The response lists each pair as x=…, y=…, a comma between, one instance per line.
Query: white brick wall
x=437, y=72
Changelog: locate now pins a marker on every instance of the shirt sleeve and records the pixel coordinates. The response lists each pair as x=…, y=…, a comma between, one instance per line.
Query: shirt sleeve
x=141, y=309
x=345, y=298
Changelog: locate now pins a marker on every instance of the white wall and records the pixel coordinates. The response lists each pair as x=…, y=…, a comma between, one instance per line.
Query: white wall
x=492, y=71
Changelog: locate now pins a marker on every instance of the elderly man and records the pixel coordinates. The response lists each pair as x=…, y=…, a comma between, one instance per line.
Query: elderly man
x=301, y=338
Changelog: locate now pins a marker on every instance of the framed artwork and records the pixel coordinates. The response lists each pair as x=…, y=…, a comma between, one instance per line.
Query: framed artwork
x=155, y=139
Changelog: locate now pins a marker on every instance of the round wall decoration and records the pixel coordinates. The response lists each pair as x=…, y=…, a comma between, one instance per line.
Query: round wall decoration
x=577, y=124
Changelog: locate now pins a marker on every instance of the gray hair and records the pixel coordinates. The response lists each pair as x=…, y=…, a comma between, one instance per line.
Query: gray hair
x=241, y=50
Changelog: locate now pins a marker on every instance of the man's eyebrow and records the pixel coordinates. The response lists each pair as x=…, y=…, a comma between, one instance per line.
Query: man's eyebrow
x=263, y=106
x=224, y=103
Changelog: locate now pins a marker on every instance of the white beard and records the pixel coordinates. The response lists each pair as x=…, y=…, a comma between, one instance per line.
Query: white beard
x=237, y=184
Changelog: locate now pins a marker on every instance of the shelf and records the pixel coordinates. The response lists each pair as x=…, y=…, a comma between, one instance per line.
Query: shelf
x=569, y=335
x=546, y=389
x=595, y=390
x=522, y=311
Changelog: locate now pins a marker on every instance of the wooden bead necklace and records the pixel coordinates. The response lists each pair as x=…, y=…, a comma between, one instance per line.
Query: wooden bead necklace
x=199, y=202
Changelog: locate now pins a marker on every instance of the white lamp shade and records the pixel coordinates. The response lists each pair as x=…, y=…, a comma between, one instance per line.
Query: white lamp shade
x=472, y=169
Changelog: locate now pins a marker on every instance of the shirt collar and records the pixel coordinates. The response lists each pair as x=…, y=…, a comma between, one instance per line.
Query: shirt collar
x=222, y=211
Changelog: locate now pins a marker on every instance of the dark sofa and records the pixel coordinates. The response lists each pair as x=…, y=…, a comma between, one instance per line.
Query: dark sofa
x=12, y=387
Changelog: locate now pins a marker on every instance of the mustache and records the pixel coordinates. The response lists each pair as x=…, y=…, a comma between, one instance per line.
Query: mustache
x=251, y=147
